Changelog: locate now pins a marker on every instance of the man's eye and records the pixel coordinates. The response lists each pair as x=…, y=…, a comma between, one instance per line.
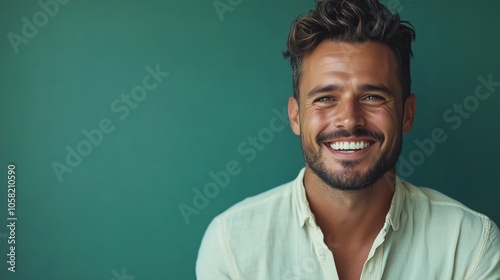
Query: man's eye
x=324, y=99
x=374, y=98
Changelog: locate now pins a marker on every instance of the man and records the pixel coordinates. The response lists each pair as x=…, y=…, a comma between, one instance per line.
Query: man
x=347, y=215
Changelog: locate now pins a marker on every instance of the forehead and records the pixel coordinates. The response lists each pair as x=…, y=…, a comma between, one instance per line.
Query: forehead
x=350, y=64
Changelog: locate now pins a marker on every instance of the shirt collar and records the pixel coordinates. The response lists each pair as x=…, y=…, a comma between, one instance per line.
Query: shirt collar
x=394, y=215
x=304, y=213
x=302, y=205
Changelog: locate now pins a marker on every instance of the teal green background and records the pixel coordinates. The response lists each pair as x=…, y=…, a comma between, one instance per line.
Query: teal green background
x=119, y=207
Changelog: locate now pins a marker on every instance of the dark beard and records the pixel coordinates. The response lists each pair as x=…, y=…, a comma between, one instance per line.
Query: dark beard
x=350, y=180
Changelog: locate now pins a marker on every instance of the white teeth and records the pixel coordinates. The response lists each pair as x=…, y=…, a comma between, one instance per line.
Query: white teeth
x=349, y=146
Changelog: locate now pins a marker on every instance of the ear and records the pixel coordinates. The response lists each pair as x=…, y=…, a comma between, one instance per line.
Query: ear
x=409, y=113
x=293, y=115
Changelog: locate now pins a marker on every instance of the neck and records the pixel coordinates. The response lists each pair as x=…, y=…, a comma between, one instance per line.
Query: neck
x=349, y=217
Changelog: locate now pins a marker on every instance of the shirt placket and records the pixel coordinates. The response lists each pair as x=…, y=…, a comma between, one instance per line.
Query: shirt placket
x=372, y=267
x=324, y=255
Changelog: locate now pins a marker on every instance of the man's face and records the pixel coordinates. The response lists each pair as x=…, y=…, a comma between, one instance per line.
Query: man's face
x=350, y=113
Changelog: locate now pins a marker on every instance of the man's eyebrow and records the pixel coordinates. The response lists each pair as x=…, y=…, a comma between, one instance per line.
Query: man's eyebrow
x=321, y=89
x=380, y=88
x=363, y=87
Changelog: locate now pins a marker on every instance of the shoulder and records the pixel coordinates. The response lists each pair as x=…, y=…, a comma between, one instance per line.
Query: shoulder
x=253, y=221
x=440, y=215
x=430, y=201
x=259, y=208
x=237, y=238
x=441, y=228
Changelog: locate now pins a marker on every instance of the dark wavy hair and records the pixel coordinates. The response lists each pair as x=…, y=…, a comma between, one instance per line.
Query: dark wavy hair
x=351, y=21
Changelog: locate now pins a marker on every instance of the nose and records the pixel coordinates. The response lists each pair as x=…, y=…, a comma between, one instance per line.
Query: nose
x=348, y=114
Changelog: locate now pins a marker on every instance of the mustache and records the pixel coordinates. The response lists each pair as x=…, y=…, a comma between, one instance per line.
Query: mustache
x=356, y=132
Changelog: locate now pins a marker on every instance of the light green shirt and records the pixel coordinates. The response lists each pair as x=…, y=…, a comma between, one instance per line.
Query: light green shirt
x=426, y=235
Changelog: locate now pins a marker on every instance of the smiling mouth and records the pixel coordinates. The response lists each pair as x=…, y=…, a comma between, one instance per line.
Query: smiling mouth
x=349, y=146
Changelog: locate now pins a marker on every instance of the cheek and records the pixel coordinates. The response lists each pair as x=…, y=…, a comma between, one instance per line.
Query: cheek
x=386, y=121
x=316, y=121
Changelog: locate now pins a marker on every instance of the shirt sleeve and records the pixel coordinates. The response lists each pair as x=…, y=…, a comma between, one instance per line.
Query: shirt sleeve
x=488, y=266
x=213, y=258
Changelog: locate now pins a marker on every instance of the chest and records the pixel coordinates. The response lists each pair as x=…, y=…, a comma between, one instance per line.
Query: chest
x=350, y=261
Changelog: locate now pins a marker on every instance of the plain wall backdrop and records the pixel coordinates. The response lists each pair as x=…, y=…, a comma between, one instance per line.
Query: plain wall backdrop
x=108, y=147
